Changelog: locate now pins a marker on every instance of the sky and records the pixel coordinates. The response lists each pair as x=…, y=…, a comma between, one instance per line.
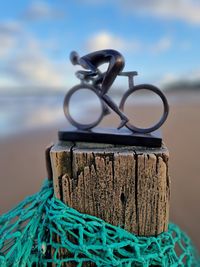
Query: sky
x=158, y=38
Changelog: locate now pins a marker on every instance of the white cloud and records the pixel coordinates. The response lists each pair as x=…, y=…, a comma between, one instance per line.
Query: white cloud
x=35, y=69
x=31, y=66
x=26, y=60
x=6, y=44
x=9, y=32
x=185, y=10
x=104, y=40
x=162, y=45
x=10, y=27
x=42, y=10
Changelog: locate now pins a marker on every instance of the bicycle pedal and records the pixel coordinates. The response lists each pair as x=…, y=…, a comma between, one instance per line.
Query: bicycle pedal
x=107, y=111
x=122, y=124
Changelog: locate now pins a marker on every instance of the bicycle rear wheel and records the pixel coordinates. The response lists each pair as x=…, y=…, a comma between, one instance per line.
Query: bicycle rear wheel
x=81, y=126
x=164, y=101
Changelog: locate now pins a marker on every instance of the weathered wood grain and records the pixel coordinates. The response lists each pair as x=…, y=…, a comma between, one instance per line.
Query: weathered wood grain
x=123, y=185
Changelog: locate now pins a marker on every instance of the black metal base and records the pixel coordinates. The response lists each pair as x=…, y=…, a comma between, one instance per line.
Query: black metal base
x=111, y=136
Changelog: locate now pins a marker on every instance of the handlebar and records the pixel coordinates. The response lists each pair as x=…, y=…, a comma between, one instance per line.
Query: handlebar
x=128, y=73
x=84, y=75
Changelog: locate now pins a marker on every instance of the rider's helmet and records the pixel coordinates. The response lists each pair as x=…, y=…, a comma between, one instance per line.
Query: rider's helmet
x=74, y=57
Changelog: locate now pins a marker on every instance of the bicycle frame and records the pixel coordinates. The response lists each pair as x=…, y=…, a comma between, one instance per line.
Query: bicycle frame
x=106, y=102
x=130, y=75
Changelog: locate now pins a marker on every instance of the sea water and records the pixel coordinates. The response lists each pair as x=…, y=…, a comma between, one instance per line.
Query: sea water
x=20, y=112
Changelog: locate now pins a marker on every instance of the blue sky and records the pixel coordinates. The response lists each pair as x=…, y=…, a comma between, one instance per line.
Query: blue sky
x=159, y=38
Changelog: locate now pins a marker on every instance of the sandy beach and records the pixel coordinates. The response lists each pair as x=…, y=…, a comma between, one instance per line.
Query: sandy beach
x=22, y=164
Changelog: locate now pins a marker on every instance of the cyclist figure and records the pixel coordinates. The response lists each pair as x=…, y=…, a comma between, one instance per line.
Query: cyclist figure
x=91, y=62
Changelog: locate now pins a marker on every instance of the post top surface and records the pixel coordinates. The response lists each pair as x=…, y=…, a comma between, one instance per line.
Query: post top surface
x=63, y=146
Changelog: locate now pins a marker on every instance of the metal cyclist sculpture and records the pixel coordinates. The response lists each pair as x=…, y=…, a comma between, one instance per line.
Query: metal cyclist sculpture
x=93, y=79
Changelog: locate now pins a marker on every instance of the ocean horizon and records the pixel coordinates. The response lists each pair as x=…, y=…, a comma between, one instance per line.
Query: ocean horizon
x=20, y=113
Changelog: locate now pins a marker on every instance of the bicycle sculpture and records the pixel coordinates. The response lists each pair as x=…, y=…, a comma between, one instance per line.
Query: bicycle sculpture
x=99, y=83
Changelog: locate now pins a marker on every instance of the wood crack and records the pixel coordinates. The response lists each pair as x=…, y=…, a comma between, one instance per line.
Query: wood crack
x=127, y=186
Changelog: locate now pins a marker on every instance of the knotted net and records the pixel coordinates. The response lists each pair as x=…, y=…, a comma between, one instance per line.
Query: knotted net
x=42, y=230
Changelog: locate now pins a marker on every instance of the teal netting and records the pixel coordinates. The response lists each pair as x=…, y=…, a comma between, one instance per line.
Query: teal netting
x=43, y=230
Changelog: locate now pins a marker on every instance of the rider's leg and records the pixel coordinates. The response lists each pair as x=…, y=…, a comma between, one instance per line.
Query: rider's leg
x=99, y=79
x=114, y=107
x=115, y=67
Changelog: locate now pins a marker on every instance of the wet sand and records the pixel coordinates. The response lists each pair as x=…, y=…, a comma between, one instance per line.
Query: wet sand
x=22, y=164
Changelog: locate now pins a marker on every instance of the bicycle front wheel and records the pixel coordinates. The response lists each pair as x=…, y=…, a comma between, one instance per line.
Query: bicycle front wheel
x=158, y=92
x=68, y=115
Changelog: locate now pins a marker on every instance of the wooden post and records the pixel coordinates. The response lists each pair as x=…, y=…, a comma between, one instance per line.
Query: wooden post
x=124, y=185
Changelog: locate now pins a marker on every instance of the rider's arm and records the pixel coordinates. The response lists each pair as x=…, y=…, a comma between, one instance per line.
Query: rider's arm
x=86, y=64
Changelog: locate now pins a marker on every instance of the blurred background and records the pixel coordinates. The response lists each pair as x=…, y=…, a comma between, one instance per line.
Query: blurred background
x=158, y=38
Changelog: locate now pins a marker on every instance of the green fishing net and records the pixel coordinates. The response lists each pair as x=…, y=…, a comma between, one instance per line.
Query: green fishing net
x=42, y=230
